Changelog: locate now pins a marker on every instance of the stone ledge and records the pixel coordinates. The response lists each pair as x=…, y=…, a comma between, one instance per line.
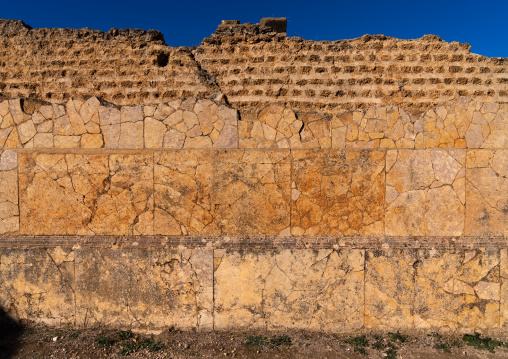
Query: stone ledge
x=253, y=242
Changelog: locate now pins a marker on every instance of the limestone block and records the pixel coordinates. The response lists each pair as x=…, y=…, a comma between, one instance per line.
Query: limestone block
x=389, y=289
x=425, y=192
x=221, y=192
x=43, y=140
x=17, y=112
x=504, y=288
x=45, y=127
x=487, y=192
x=376, y=127
x=66, y=141
x=276, y=126
x=110, y=124
x=26, y=131
x=9, y=210
x=457, y=291
x=4, y=135
x=91, y=141
x=89, y=108
x=183, y=193
x=311, y=289
x=131, y=135
x=86, y=194
x=154, y=133
x=77, y=124
x=464, y=122
x=144, y=289
x=62, y=126
x=338, y=192
x=38, y=287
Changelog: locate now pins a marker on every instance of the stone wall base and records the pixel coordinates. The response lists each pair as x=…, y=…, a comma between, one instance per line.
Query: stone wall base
x=332, y=284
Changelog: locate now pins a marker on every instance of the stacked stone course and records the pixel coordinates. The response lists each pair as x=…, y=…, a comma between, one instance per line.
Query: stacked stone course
x=244, y=190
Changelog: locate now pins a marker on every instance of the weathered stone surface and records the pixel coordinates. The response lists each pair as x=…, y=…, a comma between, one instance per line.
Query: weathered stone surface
x=487, y=192
x=92, y=141
x=222, y=192
x=457, y=291
x=337, y=192
x=304, y=289
x=503, y=308
x=390, y=289
x=144, y=289
x=183, y=190
x=86, y=194
x=377, y=127
x=425, y=192
x=463, y=123
x=276, y=126
x=35, y=285
x=154, y=133
x=9, y=211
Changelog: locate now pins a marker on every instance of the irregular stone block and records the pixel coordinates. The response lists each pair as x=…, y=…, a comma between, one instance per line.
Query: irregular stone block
x=86, y=194
x=304, y=289
x=337, y=192
x=377, y=127
x=36, y=285
x=146, y=289
x=389, y=289
x=487, y=192
x=425, y=192
x=466, y=123
x=222, y=192
x=9, y=210
x=457, y=291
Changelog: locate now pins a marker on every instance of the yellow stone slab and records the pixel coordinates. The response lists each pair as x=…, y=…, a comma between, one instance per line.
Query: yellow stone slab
x=487, y=192
x=390, y=289
x=231, y=192
x=86, y=194
x=425, y=192
x=457, y=291
x=336, y=192
x=39, y=284
x=144, y=289
x=304, y=289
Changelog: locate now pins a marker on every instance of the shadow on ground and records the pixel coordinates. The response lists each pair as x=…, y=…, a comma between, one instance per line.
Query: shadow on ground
x=10, y=332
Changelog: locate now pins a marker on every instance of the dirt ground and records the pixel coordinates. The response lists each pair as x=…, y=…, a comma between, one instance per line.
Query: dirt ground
x=30, y=341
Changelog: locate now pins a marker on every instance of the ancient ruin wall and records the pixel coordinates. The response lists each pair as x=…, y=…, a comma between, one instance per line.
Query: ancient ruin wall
x=194, y=214
x=252, y=65
x=121, y=66
x=254, y=70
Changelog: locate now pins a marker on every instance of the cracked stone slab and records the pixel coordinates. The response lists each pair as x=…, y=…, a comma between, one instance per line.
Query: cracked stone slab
x=66, y=194
x=277, y=126
x=390, y=289
x=9, y=210
x=191, y=123
x=300, y=289
x=338, y=192
x=38, y=284
x=377, y=127
x=487, y=192
x=466, y=123
x=504, y=288
x=425, y=192
x=145, y=289
x=229, y=192
x=457, y=290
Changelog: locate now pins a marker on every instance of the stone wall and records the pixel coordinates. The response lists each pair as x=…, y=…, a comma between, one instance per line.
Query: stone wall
x=252, y=65
x=121, y=66
x=174, y=215
x=185, y=204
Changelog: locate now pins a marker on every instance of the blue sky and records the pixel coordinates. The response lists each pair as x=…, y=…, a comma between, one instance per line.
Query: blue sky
x=482, y=24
